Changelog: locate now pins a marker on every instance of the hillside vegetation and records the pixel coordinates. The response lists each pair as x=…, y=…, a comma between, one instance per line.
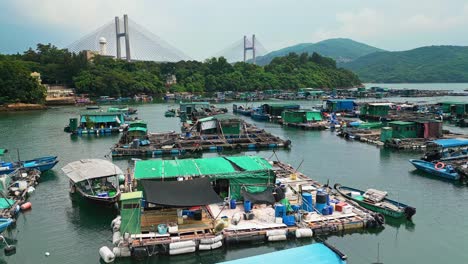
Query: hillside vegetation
x=426, y=64
x=340, y=49
x=107, y=76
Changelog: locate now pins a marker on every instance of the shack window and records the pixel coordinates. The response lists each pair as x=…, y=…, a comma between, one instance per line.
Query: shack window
x=131, y=206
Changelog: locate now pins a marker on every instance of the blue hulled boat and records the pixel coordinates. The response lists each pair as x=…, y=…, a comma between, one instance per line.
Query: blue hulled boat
x=5, y=223
x=438, y=169
x=259, y=115
x=42, y=164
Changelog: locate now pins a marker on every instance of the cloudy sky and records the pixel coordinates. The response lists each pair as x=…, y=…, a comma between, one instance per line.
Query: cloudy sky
x=202, y=28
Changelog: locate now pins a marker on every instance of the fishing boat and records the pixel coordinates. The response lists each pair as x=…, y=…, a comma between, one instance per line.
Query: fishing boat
x=437, y=169
x=258, y=114
x=170, y=113
x=375, y=200
x=42, y=164
x=94, y=179
x=5, y=223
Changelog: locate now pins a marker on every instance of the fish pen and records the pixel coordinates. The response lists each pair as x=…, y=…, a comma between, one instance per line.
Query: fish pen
x=243, y=136
x=15, y=190
x=292, y=213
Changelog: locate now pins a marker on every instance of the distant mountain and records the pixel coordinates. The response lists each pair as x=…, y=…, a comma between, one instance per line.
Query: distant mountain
x=425, y=64
x=340, y=49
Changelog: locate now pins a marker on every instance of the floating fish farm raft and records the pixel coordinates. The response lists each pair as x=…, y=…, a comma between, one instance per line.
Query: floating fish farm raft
x=17, y=187
x=247, y=137
x=173, y=231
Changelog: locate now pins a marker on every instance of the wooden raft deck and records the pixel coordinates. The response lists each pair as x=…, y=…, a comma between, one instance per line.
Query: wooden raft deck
x=151, y=219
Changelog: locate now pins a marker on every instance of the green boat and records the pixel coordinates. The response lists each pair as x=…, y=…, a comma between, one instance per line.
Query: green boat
x=170, y=113
x=375, y=200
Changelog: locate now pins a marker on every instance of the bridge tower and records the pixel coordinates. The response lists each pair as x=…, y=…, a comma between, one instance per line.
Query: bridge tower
x=123, y=34
x=251, y=47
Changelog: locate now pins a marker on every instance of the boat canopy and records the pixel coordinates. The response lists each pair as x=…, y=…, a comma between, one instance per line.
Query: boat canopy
x=317, y=253
x=193, y=192
x=86, y=169
x=450, y=143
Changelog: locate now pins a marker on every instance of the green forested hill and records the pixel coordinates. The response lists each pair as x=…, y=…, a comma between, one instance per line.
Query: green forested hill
x=340, y=49
x=107, y=76
x=426, y=64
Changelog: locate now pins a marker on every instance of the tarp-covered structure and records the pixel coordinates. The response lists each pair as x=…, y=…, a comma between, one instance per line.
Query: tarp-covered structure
x=250, y=173
x=102, y=117
x=225, y=124
x=193, y=192
x=301, y=116
x=451, y=142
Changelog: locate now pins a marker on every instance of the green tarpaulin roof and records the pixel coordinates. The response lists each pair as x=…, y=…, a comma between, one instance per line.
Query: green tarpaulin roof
x=3, y=151
x=219, y=117
x=144, y=129
x=401, y=123
x=155, y=169
x=6, y=203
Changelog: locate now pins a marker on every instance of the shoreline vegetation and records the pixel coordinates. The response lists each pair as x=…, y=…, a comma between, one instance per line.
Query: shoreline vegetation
x=105, y=76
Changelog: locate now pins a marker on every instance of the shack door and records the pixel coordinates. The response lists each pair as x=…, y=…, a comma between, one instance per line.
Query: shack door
x=221, y=187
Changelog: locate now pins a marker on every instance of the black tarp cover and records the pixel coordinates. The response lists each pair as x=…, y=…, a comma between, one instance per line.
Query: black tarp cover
x=194, y=192
x=265, y=197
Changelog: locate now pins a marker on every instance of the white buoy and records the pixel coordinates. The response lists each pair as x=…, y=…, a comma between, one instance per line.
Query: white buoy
x=106, y=254
x=47, y=254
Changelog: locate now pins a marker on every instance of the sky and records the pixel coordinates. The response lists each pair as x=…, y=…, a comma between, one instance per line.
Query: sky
x=202, y=28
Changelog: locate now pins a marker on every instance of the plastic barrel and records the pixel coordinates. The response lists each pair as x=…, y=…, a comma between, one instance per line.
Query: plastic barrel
x=232, y=204
x=320, y=206
x=321, y=198
x=247, y=206
x=279, y=210
x=307, y=202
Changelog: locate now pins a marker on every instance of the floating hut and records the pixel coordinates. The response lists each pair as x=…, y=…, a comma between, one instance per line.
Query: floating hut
x=216, y=133
x=305, y=119
x=96, y=123
x=340, y=105
x=375, y=110
x=196, y=110
x=183, y=210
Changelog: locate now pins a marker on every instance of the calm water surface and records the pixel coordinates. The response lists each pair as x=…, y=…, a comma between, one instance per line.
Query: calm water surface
x=73, y=232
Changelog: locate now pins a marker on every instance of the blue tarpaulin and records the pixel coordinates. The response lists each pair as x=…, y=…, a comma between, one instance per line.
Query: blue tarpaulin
x=314, y=253
x=452, y=142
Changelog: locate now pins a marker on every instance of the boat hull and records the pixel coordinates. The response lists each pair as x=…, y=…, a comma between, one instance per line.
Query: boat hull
x=5, y=223
x=430, y=168
x=42, y=164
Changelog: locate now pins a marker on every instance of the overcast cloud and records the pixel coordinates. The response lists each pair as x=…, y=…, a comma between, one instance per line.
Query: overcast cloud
x=201, y=28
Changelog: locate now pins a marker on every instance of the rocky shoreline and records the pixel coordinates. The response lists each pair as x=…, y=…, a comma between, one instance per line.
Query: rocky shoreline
x=21, y=107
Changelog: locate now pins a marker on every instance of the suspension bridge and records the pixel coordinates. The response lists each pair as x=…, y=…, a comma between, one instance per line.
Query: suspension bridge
x=143, y=45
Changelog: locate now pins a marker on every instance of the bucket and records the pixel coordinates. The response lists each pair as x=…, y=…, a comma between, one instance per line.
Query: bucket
x=232, y=204
x=307, y=202
x=293, y=176
x=247, y=206
x=162, y=229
